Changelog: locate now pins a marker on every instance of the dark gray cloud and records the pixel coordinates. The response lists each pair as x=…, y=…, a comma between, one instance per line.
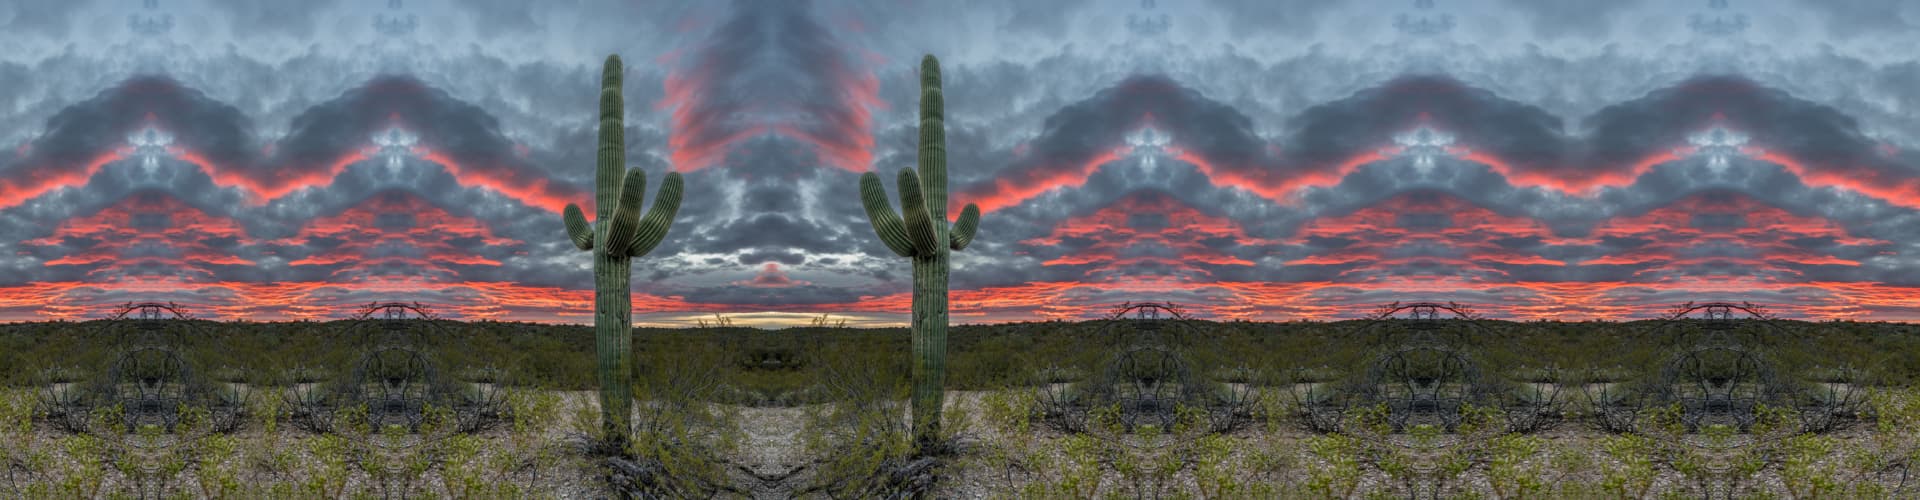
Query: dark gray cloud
x=1334, y=132
x=771, y=109
x=1562, y=18
x=80, y=133
x=1821, y=136
x=463, y=133
x=1288, y=18
x=1862, y=17
x=53, y=19
x=293, y=19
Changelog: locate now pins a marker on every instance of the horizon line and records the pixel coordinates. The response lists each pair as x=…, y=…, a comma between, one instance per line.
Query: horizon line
x=874, y=326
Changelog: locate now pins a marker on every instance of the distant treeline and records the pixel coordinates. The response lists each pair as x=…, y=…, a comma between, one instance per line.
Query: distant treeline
x=783, y=366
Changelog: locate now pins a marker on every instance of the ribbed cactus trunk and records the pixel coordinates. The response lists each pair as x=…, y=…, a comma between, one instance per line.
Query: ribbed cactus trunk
x=920, y=232
x=929, y=344
x=613, y=340
x=617, y=234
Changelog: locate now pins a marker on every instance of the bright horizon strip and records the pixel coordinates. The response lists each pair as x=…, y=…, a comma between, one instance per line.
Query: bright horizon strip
x=970, y=306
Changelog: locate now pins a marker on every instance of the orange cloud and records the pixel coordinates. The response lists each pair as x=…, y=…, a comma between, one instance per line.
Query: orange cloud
x=1011, y=188
x=19, y=187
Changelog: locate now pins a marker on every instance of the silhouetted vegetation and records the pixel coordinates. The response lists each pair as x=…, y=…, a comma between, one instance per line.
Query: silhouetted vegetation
x=776, y=367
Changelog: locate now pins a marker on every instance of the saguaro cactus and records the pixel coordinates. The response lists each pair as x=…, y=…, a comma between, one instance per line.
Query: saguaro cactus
x=920, y=232
x=617, y=233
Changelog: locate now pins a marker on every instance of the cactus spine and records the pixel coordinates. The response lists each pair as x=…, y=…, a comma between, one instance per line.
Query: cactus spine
x=617, y=234
x=921, y=233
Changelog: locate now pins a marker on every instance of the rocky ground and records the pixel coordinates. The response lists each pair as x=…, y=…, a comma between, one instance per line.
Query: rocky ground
x=997, y=456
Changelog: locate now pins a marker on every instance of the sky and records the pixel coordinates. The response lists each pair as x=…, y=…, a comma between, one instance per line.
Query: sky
x=1247, y=159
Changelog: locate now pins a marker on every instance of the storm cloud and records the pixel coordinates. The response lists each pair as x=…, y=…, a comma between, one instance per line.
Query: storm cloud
x=1268, y=160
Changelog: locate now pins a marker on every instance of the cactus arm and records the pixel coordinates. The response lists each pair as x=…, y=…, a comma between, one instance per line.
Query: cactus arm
x=612, y=153
x=913, y=208
x=653, y=227
x=626, y=214
x=886, y=223
x=963, y=229
x=933, y=140
x=578, y=229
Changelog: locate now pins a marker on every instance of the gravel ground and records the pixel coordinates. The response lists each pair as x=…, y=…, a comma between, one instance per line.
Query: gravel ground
x=772, y=458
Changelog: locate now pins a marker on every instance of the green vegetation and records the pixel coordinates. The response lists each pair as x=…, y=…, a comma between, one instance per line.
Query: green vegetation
x=707, y=401
x=783, y=367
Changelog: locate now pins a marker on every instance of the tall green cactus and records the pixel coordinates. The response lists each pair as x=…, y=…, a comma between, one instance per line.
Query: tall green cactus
x=920, y=232
x=617, y=234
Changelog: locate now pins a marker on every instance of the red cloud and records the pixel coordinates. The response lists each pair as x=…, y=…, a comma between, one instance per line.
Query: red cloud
x=844, y=136
x=700, y=136
x=259, y=190
x=771, y=276
x=1565, y=182
x=529, y=189
x=149, y=231
x=1142, y=220
x=1274, y=183
x=1892, y=188
x=394, y=232
x=1015, y=186
x=18, y=187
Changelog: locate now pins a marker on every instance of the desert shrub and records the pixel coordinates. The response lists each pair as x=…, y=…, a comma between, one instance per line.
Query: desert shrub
x=853, y=381
x=23, y=453
x=681, y=440
x=860, y=443
x=1011, y=410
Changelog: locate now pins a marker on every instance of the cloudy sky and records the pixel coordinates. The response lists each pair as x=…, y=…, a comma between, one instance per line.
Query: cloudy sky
x=1261, y=159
